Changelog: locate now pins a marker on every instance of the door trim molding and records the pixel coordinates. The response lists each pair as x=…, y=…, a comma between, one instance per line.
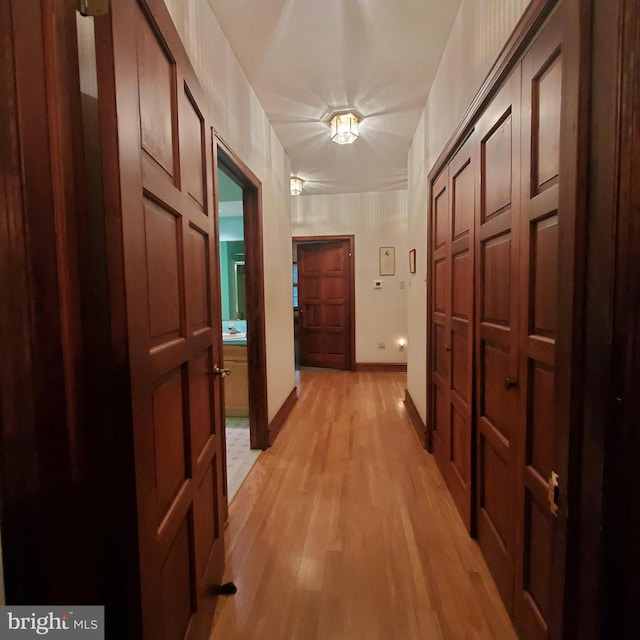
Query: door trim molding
x=352, y=283
x=589, y=587
x=416, y=420
x=281, y=416
x=231, y=163
x=381, y=367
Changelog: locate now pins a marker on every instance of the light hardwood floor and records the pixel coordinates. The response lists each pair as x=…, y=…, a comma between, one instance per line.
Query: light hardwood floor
x=344, y=530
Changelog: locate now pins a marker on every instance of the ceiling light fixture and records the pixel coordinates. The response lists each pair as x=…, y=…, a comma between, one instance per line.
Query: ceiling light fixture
x=296, y=186
x=344, y=128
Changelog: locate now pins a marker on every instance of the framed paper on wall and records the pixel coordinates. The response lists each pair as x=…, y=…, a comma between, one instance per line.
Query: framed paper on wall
x=412, y=261
x=387, y=261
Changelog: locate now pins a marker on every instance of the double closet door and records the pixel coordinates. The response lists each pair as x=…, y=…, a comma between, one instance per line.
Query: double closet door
x=452, y=233
x=509, y=297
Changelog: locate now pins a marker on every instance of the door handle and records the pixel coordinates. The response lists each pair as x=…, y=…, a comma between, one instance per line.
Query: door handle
x=510, y=384
x=223, y=373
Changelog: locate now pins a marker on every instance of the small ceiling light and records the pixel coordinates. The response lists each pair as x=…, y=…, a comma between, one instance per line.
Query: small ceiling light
x=296, y=186
x=344, y=128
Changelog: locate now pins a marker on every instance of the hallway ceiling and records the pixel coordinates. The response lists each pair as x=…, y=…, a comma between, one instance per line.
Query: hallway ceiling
x=308, y=58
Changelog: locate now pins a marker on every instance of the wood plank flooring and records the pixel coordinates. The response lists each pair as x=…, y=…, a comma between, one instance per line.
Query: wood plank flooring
x=344, y=530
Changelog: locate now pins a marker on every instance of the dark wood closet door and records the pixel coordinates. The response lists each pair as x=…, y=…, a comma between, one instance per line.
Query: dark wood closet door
x=497, y=308
x=324, y=291
x=174, y=333
x=440, y=326
x=452, y=324
x=541, y=99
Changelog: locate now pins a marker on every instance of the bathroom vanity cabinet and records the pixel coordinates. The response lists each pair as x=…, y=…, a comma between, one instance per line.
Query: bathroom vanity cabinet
x=236, y=386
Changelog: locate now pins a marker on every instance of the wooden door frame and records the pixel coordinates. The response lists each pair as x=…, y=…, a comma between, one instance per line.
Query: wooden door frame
x=49, y=450
x=64, y=402
x=570, y=347
x=251, y=186
x=352, y=283
x=597, y=482
x=620, y=505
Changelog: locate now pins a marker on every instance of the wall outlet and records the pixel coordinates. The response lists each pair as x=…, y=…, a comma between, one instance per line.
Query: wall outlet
x=381, y=345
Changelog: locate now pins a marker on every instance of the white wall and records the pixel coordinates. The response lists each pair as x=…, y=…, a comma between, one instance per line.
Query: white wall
x=481, y=29
x=375, y=219
x=240, y=120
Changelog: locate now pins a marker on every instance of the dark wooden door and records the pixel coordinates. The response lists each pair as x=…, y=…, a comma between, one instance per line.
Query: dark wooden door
x=440, y=325
x=535, y=525
x=169, y=252
x=497, y=309
x=452, y=324
x=325, y=303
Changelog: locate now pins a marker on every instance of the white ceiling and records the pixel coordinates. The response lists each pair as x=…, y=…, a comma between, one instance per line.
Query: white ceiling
x=307, y=58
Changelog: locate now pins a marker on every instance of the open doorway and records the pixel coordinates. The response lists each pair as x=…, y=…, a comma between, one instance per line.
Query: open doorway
x=242, y=314
x=240, y=455
x=324, y=302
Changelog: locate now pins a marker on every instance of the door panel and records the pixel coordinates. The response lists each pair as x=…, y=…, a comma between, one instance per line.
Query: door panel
x=197, y=279
x=193, y=135
x=156, y=90
x=497, y=174
x=496, y=332
x=440, y=321
x=451, y=324
x=324, y=294
x=170, y=262
x=441, y=212
x=461, y=285
x=163, y=243
x=495, y=476
x=462, y=180
x=439, y=285
x=495, y=408
x=495, y=257
x=169, y=440
x=541, y=93
x=460, y=366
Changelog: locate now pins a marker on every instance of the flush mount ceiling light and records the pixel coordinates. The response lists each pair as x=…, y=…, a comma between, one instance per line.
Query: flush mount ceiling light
x=296, y=186
x=344, y=127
